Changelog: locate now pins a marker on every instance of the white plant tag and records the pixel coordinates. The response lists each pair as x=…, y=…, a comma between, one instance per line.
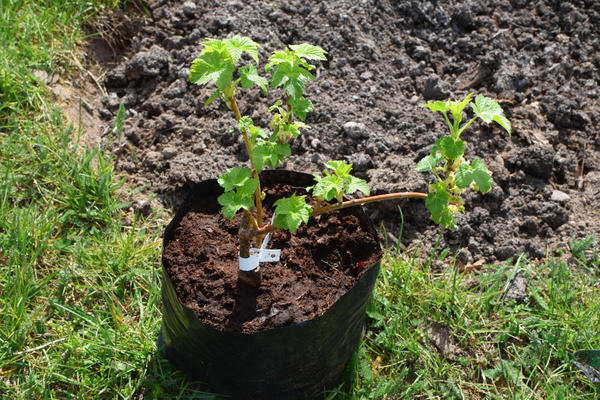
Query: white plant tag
x=260, y=255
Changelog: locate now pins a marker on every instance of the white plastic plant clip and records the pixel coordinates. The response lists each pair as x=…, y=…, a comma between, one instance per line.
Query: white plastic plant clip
x=260, y=255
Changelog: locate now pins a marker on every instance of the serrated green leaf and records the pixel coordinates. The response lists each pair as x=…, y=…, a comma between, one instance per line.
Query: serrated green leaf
x=429, y=162
x=280, y=73
x=232, y=202
x=354, y=184
x=339, y=168
x=280, y=57
x=259, y=154
x=294, y=87
x=240, y=44
x=437, y=201
x=245, y=123
x=481, y=176
x=248, y=188
x=483, y=180
x=503, y=122
x=291, y=212
x=235, y=177
x=216, y=46
x=463, y=176
x=300, y=107
x=209, y=66
x=436, y=106
x=451, y=148
x=478, y=165
x=270, y=154
x=457, y=107
x=255, y=133
x=446, y=219
x=292, y=77
x=486, y=108
x=249, y=76
x=328, y=187
x=294, y=128
x=309, y=51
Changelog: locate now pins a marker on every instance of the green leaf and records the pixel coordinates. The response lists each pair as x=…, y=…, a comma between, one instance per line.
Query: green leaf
x=301, y=106
x=309, y=51
x=291, y=212
x=280, y=73
x=276, y=105
x=463, y=176
x=446, y=219
x=281, y=57
x=294, y=128
x=248, y=188
x=479, y=165
x=328, y=187
x=354, y=184
x=235, y=177
x=294, y=87
x=503, y=122
x=292, y=77
x=429, y=162
x=481, y=176
x=209, y=66
x=340, y=168
x=437, y=200
x=240, y=44
x=489, y=110
x=232, y=202
x=245, y=123
x=436, y=106
x=119, y=121
x=270, y=154
x=249, y=76
x=457, y=107
x=256, y=132
x=451, y=148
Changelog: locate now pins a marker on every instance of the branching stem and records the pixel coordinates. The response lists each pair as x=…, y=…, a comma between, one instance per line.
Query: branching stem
x=365, y=200
x=258, y=193
x=348, y=203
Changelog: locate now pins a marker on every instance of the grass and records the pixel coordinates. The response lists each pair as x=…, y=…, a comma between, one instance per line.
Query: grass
x=499, y=349
x=79, y=276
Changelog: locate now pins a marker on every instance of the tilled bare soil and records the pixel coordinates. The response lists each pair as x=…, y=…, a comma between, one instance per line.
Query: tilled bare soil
x=540, y=59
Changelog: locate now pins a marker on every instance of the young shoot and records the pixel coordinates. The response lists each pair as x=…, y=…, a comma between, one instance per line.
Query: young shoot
x=452, y=172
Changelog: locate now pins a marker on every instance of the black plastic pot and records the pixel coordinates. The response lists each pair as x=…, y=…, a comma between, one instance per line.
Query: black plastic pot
x=294, y=362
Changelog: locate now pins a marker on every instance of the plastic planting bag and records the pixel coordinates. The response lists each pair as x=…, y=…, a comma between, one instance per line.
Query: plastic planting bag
x=299, y=361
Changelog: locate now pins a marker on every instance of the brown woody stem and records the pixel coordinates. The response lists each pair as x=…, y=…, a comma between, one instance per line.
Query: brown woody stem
x=249, y=278
x=365, y=200
x=258, y=193
x=348, y=203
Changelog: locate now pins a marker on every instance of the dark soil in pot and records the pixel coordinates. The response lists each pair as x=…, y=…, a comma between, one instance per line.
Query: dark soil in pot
x=319, y=263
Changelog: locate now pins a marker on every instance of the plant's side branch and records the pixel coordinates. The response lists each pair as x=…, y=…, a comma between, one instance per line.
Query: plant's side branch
x=348, y=203
x=365, y=200
x=258, y=193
